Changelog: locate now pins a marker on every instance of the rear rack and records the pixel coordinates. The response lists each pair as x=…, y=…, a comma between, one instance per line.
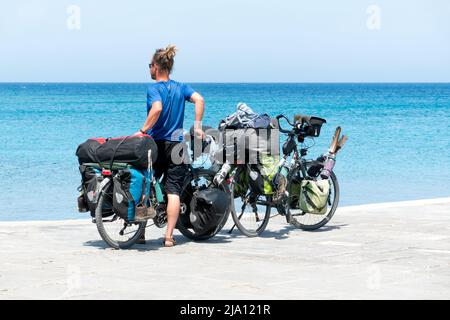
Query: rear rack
x=107, y=165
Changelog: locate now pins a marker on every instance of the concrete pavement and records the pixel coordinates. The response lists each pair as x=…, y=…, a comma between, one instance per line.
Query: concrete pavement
x=382, y=251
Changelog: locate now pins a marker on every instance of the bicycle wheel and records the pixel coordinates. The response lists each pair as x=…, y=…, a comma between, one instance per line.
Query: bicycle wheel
x=116, y=232
x=199, y=179
x=308, y=221
x=254, y=212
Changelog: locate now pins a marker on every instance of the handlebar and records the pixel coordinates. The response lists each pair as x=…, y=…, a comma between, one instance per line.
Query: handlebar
x=301, y=126
x=279, y=125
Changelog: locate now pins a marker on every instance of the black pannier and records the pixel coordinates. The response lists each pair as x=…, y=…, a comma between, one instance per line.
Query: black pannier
x=132, y=150
x=208, y=207
x=91, y=178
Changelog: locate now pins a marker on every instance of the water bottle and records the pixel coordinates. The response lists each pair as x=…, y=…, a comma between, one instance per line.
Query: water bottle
x=328, y=166
x=221, y=175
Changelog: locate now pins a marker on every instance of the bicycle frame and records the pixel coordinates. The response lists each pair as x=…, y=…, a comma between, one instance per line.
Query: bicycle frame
x=297, y=160
x=293, y=168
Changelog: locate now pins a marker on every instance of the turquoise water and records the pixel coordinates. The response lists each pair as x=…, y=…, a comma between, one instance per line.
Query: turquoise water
x=398, y=148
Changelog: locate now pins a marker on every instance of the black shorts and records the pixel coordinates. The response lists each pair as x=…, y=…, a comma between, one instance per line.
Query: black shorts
x=174, y=173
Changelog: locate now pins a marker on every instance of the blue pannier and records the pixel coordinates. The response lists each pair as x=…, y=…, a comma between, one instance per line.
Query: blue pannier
x=131, y=189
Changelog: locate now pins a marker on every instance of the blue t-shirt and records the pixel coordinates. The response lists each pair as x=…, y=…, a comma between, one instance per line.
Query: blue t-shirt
x=173, y=96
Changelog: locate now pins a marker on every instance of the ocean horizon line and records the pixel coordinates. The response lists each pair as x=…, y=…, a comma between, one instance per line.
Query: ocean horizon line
x=213, y=82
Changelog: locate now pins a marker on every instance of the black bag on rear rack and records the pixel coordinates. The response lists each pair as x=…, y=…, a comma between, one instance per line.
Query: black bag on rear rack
x=132, y=150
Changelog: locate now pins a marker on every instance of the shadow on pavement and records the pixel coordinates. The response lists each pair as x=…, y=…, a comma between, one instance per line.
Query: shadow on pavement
x=222, y=237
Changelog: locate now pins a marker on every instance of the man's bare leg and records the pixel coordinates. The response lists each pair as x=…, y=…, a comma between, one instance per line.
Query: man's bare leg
x=173, y=211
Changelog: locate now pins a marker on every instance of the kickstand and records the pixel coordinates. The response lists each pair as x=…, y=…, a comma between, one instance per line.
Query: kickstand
x=122, y=232
x=232, y=228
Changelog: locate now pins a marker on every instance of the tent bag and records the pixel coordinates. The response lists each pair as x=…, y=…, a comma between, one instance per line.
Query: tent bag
x=132, y=150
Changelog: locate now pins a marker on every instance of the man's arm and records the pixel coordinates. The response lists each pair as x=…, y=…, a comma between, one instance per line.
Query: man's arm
x=152, y=117
x=199, y=102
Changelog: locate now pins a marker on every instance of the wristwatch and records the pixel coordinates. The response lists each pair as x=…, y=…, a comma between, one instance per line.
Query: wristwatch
x=142, y=131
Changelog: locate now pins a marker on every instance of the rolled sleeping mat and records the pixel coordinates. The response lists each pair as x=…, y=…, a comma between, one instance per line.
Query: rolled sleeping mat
x=334, y=141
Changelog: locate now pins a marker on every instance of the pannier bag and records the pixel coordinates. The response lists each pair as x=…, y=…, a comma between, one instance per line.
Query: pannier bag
x=131, y=190
x=260, y=177
x=91, y=179
x=249, y=130
x=132, y=150
x=314, y=196
x=208, y=207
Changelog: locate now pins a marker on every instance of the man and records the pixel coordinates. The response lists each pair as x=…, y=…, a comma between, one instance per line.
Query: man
x=165, y=108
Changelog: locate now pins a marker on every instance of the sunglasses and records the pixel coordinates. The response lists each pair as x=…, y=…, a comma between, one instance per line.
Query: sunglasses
x=150, y=65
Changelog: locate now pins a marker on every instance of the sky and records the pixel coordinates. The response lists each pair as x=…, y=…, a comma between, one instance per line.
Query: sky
x=226, y=40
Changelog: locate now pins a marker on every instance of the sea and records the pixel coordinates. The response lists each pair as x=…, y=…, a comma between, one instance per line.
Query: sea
x=397, y=149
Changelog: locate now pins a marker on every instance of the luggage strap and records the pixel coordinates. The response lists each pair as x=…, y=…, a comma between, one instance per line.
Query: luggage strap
x=150, y=174
x=115, y=150
x=128, y=194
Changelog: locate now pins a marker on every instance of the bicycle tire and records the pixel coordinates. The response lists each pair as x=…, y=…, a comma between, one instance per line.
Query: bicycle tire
x=115, y=244
x=326, y=217
x=237, y=220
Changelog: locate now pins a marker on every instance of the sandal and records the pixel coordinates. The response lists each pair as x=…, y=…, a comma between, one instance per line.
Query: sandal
x=170, y=240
